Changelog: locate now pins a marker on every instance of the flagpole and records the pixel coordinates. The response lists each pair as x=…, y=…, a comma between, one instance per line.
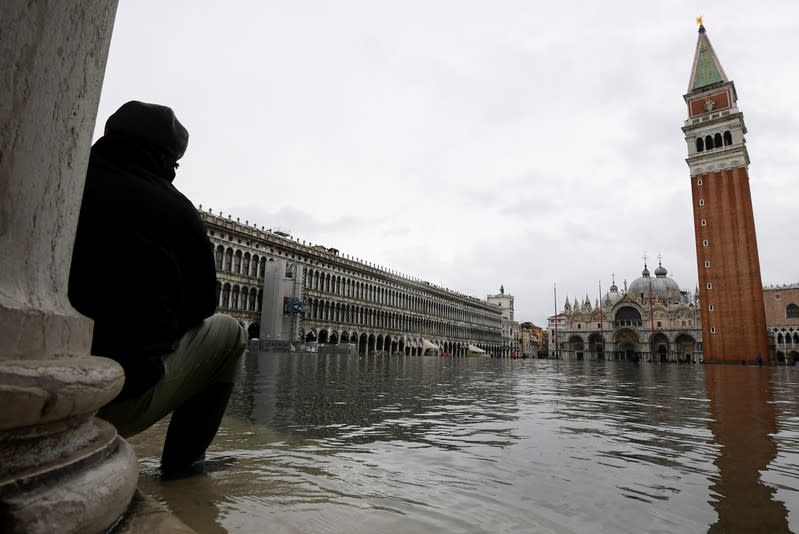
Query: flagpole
x=557, y=350
x=601, y=321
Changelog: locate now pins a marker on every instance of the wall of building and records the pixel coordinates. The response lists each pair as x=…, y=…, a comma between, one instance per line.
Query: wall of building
x=782, y=318
x=348, y=298
x=730, y=289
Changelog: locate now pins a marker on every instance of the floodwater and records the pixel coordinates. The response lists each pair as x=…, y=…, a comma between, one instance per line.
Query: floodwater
x=315, y=443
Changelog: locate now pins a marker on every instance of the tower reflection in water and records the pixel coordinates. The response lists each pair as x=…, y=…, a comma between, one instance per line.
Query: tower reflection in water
x=743, y=423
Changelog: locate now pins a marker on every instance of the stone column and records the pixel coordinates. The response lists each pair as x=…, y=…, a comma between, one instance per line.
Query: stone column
x=61, y=469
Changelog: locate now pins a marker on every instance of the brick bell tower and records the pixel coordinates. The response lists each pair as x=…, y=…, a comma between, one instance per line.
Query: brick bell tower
x=730, y=287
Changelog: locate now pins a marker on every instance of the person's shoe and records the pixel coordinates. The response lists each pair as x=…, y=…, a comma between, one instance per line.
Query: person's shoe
x=180, y=471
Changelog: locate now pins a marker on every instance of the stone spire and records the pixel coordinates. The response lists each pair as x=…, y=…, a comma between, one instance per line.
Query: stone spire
x=706, y=69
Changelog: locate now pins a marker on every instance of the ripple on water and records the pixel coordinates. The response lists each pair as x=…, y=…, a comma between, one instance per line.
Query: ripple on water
x=342, y=444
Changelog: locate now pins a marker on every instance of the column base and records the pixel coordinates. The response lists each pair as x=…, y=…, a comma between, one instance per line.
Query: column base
x=61, y=468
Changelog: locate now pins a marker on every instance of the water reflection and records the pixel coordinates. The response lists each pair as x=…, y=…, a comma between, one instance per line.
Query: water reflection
x=744, y=423
x=427, y=401
x=316, y=443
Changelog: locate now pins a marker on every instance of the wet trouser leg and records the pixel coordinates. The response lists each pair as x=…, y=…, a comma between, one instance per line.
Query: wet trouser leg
x=196, y=385
x=193, y=427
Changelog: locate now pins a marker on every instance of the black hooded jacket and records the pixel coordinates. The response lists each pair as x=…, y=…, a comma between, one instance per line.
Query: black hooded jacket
x=142, y=266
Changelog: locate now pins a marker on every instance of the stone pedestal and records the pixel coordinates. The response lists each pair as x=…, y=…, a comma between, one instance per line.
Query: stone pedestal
x=61, y=469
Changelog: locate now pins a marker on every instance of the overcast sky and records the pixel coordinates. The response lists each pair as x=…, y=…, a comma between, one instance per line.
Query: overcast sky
x=468, y=143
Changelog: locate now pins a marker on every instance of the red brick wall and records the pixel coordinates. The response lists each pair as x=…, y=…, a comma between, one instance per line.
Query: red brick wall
x=776, y=300
x=737, y=293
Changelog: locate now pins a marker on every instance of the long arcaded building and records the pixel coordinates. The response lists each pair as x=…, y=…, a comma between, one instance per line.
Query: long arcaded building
x=348, y=300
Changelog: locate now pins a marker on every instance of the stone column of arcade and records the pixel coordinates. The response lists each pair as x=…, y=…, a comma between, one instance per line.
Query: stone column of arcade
x=61, y=469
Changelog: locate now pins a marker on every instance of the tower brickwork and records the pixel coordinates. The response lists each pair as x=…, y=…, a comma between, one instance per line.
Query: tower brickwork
x=730, y=285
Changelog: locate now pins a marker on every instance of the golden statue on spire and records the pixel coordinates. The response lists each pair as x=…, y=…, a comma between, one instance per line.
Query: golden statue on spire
x=699, y=20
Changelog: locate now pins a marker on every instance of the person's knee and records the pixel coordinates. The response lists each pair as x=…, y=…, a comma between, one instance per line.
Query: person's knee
x=231, y=330
x=233, y=337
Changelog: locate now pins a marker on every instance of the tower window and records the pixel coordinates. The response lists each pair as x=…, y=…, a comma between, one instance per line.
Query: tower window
x=708, y=142
x=792, y=311
x=701, y=201
x=704, y=243
x=727, y=138
x=709, y=285
x=710, y=308
x=707, y=265
x=703, y=222
x=700, y=144
x=717, y=140
x=712, y=329
x=698, y=181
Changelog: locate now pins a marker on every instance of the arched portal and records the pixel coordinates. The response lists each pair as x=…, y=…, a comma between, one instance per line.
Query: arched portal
x=371, y=344
x=254, y=330
x=362, y=345
x=685, y=346
x=660, y=347
x=323, y=336
x=627, y=345
x=577, y=347
x=596, y=346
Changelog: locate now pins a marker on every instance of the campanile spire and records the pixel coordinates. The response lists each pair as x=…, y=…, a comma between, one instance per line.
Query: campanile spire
x=706, y=69
x=730, y=287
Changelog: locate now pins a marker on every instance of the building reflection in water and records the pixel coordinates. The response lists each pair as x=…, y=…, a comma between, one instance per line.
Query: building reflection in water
x=743, y=422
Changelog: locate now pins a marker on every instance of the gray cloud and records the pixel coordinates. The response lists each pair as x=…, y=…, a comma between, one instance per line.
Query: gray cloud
x=464, y=143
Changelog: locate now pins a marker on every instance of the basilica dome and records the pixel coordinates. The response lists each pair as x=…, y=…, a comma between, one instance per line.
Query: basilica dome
x=660, y=287
x=613, y=296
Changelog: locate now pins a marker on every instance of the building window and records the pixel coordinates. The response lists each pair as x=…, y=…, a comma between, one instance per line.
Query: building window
x=700, y=144
x=792, y=311
x=703, y=222
x=698, y=181
x=712, y=329
x=727, y=138
x=579, y=326
x=704, y=242
x=710, y=308
x=599, y=325
x=709, y=285
x=717, y=140
x=707, y=265
x=708, y=142
x=701, y=201
x=659, y=324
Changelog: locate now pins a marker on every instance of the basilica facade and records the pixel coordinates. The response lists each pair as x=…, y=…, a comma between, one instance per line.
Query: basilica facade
x=651, y=320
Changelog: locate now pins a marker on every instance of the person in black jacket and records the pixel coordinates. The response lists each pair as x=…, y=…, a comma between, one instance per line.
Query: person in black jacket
x=143, y=270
